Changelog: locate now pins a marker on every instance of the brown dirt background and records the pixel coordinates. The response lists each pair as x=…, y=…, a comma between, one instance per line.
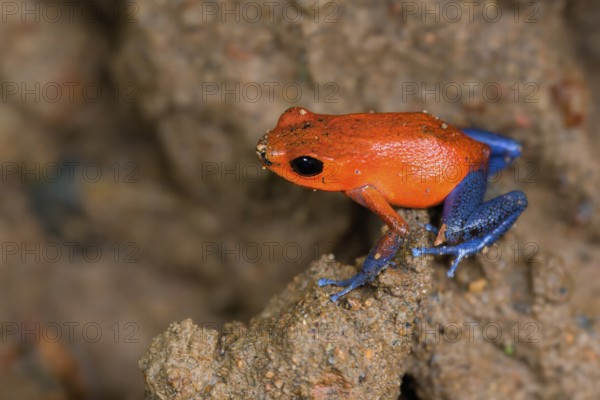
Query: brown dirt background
x=165, y=182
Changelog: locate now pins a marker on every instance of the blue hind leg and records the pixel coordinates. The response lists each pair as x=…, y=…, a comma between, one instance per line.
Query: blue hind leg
x=504, y=150
x=469, y=224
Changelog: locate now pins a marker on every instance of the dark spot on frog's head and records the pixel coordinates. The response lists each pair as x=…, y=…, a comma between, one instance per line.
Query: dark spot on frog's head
x=306, y=125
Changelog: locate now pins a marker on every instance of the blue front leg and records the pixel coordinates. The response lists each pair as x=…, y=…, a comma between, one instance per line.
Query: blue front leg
x=376, y=261
x=382, y=254
x=468, y=225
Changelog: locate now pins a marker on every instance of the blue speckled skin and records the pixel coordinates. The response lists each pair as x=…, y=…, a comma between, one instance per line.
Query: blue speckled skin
x=470, y=224
x=380, y=257
x=370, y=269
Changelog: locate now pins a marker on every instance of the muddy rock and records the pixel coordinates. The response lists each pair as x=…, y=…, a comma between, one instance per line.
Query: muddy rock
x=302, y=344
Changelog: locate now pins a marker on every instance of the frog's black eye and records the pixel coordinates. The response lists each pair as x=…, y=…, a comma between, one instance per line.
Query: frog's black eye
x=307, y=166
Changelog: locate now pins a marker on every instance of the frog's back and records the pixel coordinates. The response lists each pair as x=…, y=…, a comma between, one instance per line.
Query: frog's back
x=387, y=128
x=416, y=159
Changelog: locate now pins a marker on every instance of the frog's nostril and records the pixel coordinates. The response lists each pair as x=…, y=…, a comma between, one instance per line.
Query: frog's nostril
x=261, y=150
x=262, y=155
x=264, y=159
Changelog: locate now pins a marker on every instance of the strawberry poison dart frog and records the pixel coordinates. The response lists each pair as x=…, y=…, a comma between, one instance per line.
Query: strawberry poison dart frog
x=409, y=160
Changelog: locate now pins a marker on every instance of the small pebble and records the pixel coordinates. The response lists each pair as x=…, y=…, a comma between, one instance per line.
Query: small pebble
x=477, y=286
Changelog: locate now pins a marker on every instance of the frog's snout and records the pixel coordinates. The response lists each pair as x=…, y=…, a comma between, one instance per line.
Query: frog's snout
x=261, y=151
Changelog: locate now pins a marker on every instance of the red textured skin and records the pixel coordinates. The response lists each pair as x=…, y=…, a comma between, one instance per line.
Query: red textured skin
x=413, y=159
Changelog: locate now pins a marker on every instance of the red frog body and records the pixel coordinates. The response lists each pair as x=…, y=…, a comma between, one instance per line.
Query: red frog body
x=412, y=160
